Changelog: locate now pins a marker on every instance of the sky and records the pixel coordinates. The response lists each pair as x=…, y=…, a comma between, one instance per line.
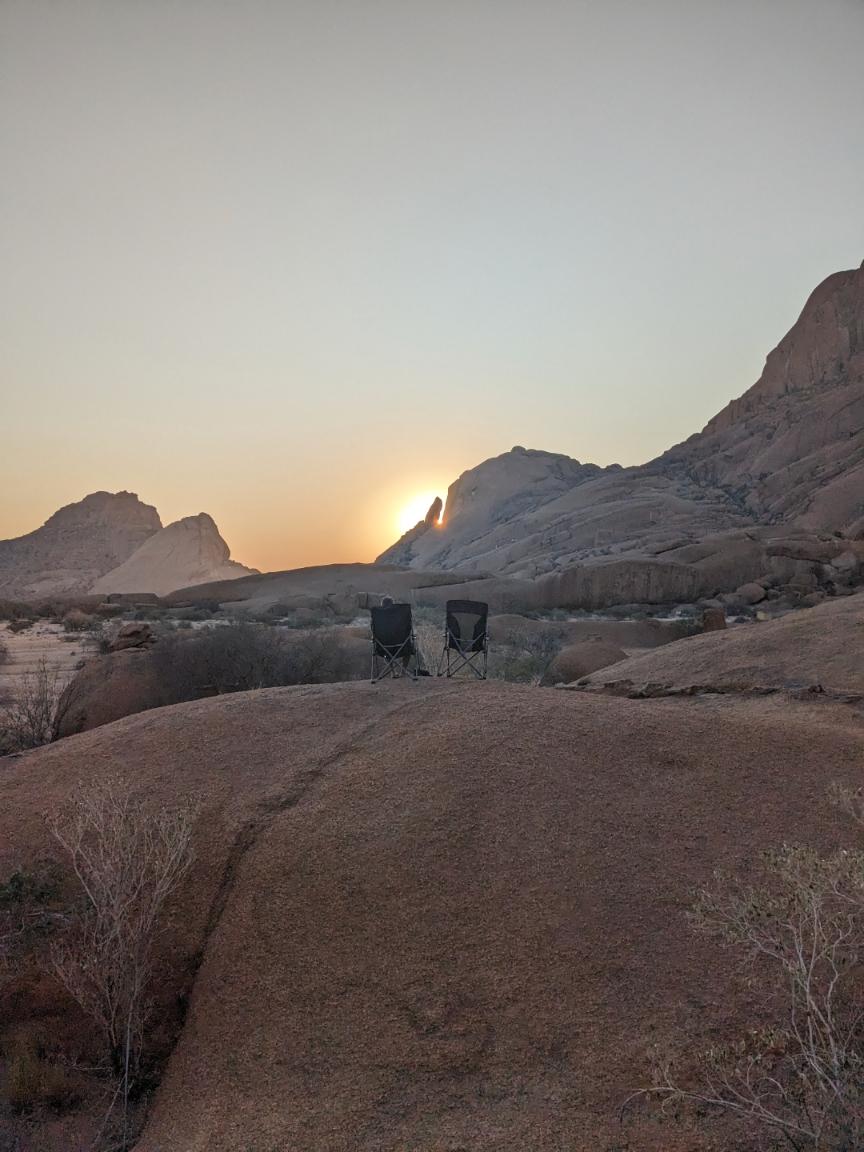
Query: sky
x=300, y=263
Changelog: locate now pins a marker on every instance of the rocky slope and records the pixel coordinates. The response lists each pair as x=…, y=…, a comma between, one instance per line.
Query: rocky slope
x=188, y=552
x=76, y=545
x=787, y=458
x=387, y=943
x=823, y=648
x=112, y=542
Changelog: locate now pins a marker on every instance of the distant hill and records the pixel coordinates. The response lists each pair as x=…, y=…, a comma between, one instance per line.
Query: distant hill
x=189, y=551
x=113, y=542
x=787, y=457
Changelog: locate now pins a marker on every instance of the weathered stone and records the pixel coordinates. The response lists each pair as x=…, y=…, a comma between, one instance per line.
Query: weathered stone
x=135, y=634
x=751, y=593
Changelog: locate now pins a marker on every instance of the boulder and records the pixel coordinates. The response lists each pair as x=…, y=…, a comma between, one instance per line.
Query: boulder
x=135, y=634
x=751, y=593
x=578, y=660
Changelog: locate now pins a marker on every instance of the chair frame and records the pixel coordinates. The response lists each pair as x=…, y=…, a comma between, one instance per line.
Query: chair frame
x=456, y=657
x=392, y=658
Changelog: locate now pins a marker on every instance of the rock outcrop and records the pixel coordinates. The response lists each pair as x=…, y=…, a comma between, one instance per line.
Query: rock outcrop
x=386, y=943
x=786, y=458
x=76, y=545
x=112, y=542
x=188, y=552
x=578, y=660
x=802, y=650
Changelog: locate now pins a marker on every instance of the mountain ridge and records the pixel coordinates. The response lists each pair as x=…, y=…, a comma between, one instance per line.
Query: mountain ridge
x=788, y=452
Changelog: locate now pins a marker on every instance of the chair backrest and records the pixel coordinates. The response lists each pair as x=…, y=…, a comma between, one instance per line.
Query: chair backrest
x=391, y=630
x=466, y=624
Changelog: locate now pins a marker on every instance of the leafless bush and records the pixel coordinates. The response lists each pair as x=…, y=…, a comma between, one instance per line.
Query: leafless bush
x=127, y=860
x=240, y=657
x=430, y=641
x=31, y=716
x=800, y=1080
x=522, y=657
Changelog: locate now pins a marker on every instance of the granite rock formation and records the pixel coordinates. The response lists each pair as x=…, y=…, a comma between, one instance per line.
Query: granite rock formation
x=76, y=546
x=111, y=542
x=188, y=552
x=784, y=460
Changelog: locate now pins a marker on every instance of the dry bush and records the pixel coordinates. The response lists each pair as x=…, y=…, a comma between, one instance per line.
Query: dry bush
x=430, y=643
x=77, y=621
x=800, y=1081
x=4, y=651
x=127, y=860
x=522, y=657
x=31, y=717
x=240, y=657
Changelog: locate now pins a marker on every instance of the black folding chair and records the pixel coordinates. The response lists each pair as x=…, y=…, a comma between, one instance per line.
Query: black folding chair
x=393, y=643
x=466, y=642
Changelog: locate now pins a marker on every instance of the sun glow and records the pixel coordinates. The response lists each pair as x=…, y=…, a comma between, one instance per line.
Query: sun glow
x=414, y=511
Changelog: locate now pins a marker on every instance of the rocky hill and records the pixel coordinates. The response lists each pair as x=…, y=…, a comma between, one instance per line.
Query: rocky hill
x=112, y=542
x=787, y=458
x=76, y=545
x=188, y=552
x=439, y=915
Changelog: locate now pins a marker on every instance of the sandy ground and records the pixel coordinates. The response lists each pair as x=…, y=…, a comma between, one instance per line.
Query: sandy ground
x=42, y=641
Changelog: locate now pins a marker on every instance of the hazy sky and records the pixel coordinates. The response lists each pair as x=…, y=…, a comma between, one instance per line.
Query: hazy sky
x=295, y=262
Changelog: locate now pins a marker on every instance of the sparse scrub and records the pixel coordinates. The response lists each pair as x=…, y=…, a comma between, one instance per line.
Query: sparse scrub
x=128, y=860
x=77, y=621
x=430, y=641
x=31, y=717
x=522, y=657
x=240, y=657
x=799, y=1080
x=20, y=624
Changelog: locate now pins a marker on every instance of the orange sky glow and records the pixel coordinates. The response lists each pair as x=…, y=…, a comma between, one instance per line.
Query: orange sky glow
x=300, y=265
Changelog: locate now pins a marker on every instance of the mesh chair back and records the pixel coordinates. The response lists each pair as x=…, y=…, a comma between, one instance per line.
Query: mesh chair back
x=391, y=630
x=466, y=625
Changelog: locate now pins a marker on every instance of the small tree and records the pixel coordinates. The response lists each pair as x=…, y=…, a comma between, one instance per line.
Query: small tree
x=127, y=859
x=802, y=1078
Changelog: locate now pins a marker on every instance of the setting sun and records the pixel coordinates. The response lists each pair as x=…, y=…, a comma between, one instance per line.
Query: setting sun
x=414, y=511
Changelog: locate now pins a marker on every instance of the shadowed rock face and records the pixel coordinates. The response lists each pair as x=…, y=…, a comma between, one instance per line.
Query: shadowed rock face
x=788, y=453
x=76, y=545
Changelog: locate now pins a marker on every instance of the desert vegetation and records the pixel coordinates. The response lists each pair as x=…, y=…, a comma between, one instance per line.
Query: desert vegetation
x=89, y=921
x=32, y=716
x=796, y=1081
x=239, y=657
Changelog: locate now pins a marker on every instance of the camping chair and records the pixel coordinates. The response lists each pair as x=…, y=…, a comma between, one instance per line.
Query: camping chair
x=466, y=643
x=393, y=642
